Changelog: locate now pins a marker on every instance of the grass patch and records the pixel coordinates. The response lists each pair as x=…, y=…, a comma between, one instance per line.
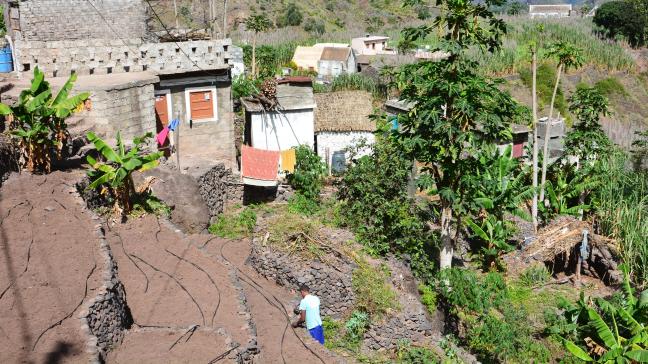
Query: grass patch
x=610, y=86
x=146, y=203
x=546, y=80
x=373, y=294
x=235, y=225
x=535, y=275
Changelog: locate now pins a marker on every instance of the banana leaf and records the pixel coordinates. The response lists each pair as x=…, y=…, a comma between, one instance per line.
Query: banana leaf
x=577, y=351
x=602, y=329
x=104, y=148
x=640, y=356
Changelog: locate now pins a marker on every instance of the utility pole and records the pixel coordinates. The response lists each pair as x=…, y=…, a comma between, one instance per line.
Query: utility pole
x=175, y=10
x=224, y=19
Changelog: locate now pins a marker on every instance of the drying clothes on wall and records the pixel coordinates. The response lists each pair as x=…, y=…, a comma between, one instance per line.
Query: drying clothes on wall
x=162, y=135
x=288, y=160
x=259, y=167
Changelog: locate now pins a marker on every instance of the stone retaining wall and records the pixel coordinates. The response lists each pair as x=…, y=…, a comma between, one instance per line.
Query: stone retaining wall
x=331, y=284
x=106, y=317
x=219, y=187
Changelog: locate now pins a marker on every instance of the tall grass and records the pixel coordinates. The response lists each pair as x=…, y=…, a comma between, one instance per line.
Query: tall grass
x=623, y=213
x=358, y=81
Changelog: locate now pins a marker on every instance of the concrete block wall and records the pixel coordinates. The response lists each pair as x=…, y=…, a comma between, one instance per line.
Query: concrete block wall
x=52, y=20
x=130, y=110
x=206, y=140
x=102, y=56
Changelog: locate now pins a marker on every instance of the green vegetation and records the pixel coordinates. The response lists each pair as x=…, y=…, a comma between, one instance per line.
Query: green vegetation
x=145, y=203
x=624, y=19
x=373, y=295
x=257, y=23
x=610, y=86
x=604, y=331
x=235, y=225
x=428, y=297
x=308, y=177
x=408, y=354
x=114, y=175
x=270, y=59
x=497, y=328
x=377, y=207
x=244, y=87
x=38, y=120
x=291, y=16
x=535, y=275
x=545, y=79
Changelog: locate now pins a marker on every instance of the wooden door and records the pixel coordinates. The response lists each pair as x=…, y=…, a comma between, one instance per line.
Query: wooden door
x=202, y=105
x=161, y=110
x=518, y=149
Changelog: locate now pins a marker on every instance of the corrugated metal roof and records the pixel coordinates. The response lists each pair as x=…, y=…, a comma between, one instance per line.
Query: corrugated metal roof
x=335, y=54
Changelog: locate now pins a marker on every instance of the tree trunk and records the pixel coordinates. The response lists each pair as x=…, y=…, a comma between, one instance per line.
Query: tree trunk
x=545, y=150
x=254, y=55
x=534, y=102
x=447, y=247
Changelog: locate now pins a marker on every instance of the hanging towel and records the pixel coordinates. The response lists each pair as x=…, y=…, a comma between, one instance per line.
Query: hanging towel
x=162, y=136
x=173, y=125
x=288, y=160
x=259, y=166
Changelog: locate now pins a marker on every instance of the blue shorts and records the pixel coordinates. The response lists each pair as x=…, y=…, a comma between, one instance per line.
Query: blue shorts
x=317, y=333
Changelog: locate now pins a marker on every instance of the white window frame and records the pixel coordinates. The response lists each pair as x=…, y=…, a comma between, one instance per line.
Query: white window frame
x=188, y=92
x=167, y=93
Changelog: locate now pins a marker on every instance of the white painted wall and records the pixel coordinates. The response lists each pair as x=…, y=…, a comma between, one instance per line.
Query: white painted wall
x=274, y=131
x=338, y=141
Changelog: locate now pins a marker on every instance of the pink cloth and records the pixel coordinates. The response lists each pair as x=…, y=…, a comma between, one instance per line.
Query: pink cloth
x=162, y=136
x=259, y=164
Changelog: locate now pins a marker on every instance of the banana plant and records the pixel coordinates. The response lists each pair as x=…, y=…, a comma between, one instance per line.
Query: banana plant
x=38, y=120
x=563, y=194
x=115, y=175
x=619, y=332
x=494, y=234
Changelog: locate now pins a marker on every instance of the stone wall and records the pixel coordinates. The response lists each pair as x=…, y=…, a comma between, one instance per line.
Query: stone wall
x=8, y=158
x=331, y=284
x=50, y=20
x=107, y=56
x=106, y=317
x=219, y=187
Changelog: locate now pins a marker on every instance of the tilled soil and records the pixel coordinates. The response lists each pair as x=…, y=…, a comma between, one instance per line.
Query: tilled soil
x=49, y=265
x=192, y=298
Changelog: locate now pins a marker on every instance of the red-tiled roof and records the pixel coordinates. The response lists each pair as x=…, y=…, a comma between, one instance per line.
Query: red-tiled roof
x=259, y=164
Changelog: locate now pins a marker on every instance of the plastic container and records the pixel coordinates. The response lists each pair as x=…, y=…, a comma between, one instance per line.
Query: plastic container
x=6, y=60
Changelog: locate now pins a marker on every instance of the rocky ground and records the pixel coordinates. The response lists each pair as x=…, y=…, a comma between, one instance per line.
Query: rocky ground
x=192, y=297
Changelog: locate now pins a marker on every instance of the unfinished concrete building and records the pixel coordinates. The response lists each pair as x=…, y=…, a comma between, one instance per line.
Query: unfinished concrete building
x=138, y=84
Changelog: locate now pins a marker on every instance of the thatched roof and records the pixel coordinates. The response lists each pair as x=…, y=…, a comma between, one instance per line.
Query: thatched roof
x=344, y=111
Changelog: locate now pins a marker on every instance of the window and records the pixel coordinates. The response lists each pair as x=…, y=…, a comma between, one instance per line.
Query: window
x=201, y=104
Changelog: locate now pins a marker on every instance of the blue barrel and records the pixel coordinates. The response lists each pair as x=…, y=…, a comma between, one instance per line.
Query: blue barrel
x=6, y=61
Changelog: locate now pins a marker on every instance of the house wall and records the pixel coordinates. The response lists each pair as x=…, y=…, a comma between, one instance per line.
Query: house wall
x=332, y=68
x=211, y=141
x=338, y=141
x=51, y=20
x=362, y=47
x=103, y=56
x=274, y=131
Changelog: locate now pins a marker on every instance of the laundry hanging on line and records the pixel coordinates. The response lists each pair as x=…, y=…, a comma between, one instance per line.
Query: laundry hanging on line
x=288, y=160
x=162, y=135
x=258, y=166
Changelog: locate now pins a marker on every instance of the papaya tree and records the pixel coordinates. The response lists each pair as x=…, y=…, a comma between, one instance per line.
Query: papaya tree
x=114, y=175
x=39, y=120
x=457, y=110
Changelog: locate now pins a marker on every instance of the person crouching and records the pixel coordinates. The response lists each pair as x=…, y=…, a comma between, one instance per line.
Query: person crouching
x=309, y=312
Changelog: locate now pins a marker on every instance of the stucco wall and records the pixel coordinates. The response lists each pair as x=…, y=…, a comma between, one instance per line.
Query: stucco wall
x=50, y=20
x=339, y=141
x=206, y=140
x=274, y=131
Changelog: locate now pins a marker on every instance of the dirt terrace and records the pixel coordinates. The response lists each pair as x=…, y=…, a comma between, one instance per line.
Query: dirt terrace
x=192, y=298
x=49, y=267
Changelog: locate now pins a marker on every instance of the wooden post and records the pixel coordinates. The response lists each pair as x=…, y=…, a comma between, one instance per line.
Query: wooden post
x=176, y=135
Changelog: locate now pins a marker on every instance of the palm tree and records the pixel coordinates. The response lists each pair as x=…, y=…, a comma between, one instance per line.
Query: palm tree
x=257, y=23
x=568, y=56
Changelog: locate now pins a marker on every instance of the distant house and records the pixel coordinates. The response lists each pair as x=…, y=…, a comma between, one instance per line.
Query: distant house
x=236, y=61
x=550, y=11
x=341, y=121
x=371, y=45
x=292, y=124
x=336, y=61
x=308, y=57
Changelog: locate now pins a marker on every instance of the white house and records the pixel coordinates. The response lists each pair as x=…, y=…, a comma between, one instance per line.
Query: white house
x=371, y=45
x=308, y=57
x=335, y=61
x=341, y=121
x=550, y=11
x=290, y=125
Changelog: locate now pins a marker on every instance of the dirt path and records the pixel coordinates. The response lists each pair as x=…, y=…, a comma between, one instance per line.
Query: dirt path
x=48, y=268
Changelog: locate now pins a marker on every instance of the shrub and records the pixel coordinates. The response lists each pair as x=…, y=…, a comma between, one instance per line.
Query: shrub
x=416, y=355
x=373, y=294
x=235, y=225
x=535, y=275
x=244, y=87
x=299, y=204
x=610, y=86
x=308, y=177
x=291, y=16
x=377, y=207
x=315, y=27
x=428, y=297
x=625, y=19
x=356, y=326
x=546, y=78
